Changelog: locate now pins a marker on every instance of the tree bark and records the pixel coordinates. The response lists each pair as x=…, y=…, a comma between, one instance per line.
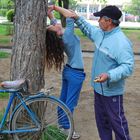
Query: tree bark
x=28, y=53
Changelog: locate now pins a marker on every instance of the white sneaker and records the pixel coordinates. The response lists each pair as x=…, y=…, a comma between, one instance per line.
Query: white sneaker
x=65, y=131
x=75, y=136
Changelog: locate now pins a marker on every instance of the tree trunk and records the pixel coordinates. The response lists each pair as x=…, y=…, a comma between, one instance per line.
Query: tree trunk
x=28, y=53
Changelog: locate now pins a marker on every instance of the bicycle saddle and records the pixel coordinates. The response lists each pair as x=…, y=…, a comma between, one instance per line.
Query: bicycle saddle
x=17, y=84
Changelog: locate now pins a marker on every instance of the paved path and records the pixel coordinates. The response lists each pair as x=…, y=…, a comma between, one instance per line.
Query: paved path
x=3, y=19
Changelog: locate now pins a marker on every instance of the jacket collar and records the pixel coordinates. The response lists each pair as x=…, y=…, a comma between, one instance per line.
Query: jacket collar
x=114, y=30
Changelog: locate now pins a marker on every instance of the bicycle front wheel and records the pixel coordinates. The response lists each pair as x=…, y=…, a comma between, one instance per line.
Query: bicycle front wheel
x=55, y=120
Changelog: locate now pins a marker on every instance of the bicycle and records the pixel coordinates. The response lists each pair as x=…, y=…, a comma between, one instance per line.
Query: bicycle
x=29, y=123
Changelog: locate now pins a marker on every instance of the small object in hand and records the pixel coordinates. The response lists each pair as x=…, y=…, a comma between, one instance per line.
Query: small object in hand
x=97, y=79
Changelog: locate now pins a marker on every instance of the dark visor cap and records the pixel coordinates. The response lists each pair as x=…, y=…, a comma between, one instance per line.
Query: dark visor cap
x=112, y=12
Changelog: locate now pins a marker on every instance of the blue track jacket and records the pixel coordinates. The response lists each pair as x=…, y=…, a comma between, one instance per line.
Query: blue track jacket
x=113, y=55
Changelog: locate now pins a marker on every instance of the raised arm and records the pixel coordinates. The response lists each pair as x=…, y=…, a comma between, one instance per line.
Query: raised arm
x=53, y=20
x=63, y=11
x=50, y=15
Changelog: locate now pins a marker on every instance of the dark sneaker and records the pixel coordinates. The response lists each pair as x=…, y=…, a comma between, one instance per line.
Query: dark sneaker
x=1, y=137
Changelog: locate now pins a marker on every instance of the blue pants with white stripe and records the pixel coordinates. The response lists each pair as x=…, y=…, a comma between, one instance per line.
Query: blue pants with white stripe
x=72, y=81
x=109, y=114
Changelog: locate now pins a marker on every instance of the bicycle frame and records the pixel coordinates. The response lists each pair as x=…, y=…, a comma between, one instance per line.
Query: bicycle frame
x=39, y=115
x=22, y=102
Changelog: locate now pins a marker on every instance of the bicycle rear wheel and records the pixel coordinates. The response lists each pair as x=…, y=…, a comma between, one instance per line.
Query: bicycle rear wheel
x=48, y=117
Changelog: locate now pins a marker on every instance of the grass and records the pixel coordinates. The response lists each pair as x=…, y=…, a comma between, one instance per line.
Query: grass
x=5, y=136
x=6, y=29
x=53, y=131
x=134, y=33
x=4, y=95
x=5, y=33
x=4, y=54
x=128, y=32
x=5, y=40
x=79, y=33
x=1, y=114
x=3, y=30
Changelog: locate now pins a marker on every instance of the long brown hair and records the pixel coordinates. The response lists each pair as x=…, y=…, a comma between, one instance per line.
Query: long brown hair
x=54, y=50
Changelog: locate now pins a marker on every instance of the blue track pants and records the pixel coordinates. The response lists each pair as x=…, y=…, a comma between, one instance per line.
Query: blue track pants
x=72, y=81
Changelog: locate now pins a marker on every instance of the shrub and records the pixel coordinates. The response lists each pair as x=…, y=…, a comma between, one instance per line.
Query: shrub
x=10, y=15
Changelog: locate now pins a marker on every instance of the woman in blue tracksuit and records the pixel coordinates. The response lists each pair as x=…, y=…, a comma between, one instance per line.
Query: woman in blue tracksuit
x=73, y=73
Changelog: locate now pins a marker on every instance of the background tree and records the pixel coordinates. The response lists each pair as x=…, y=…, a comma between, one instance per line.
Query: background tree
x=73, y=4
x=5, y=5
x=65, y=4
x=133, y=7
x=100, y=4
x=10, y=4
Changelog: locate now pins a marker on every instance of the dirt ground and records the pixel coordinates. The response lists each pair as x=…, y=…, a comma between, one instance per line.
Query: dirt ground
x=84, y=113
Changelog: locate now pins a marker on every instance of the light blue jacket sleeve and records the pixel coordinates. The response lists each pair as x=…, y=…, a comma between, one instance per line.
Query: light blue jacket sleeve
x=69, y=26
x=89, y=30
x=125, y=58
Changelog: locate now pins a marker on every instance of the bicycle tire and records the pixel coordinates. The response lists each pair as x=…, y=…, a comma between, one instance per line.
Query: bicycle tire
x=50, y=129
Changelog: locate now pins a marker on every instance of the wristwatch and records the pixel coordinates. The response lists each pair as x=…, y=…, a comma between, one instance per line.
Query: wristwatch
x=53, y=21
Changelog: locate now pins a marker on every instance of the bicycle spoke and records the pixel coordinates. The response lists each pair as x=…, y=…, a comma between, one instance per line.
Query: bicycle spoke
x=53, y=117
